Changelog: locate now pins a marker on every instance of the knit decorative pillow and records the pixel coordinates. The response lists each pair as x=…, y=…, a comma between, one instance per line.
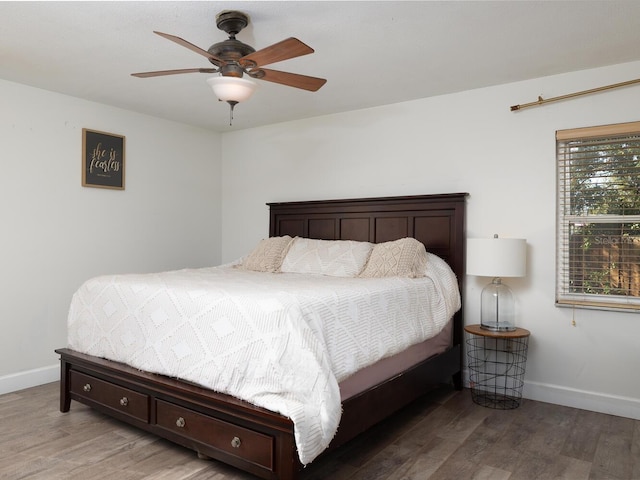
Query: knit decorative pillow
x=406, y=257
x=267, y=256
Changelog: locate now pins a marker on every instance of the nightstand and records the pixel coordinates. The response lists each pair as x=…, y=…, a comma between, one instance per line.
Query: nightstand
x=496, y=362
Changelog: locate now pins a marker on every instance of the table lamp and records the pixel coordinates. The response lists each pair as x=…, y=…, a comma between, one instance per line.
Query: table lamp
x=497, y=257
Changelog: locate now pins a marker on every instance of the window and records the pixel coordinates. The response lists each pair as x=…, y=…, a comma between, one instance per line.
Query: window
x=598, y=232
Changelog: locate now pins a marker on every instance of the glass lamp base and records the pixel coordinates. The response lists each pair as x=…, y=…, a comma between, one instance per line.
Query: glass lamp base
x=498, y=326
x=497, y=307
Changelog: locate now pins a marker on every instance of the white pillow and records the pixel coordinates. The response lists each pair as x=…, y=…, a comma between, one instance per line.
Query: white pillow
x=337, y=258
x=267, y=256
x=405, y=257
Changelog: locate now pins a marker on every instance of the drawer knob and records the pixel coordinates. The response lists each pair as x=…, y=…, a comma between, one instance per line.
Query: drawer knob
x=180, y=422
x=235, y=442
x=87, y=387
x=124, y=401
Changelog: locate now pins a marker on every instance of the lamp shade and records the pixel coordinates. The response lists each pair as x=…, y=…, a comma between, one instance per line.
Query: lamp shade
x=232, y=89
x=496, y=257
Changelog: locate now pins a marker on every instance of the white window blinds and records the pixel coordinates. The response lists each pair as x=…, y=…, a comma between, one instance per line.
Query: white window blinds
x=598, y=232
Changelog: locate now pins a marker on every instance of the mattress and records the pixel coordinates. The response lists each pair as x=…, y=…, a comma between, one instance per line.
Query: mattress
x=279, y=341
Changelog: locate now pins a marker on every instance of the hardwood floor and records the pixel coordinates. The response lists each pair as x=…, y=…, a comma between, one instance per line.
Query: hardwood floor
x=442, y=436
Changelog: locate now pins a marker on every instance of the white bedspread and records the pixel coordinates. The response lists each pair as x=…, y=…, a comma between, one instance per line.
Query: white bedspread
x=279, y=341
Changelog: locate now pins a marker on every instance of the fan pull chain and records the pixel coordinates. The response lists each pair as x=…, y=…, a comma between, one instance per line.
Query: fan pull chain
x=232, y=104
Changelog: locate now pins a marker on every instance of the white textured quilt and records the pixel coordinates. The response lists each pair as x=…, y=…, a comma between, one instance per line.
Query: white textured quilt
x=280, y=341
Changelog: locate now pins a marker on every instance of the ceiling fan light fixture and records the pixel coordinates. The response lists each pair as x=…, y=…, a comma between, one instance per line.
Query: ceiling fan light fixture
x=232, y=89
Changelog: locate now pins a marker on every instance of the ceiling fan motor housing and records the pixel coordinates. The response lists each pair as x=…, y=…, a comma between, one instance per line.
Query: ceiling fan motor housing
x=231, y=50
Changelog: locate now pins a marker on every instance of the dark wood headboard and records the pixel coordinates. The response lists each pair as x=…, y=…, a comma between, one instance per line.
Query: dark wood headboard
x=438, y=221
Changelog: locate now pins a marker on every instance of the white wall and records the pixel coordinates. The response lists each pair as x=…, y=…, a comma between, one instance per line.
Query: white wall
x=466, y=142
x=55, y=233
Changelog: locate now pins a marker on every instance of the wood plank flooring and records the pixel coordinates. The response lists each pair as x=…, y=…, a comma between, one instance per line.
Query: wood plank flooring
x=440, y=437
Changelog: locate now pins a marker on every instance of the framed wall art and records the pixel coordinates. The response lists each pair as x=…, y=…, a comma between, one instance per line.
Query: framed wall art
x=102, y=159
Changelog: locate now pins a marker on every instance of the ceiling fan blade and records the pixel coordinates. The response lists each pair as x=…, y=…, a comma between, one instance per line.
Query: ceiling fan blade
x=174, y=72
x=284, y=50
x=180, y=41
x=292, y=79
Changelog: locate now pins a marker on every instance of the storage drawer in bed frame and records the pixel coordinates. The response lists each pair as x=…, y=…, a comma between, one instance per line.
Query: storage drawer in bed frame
x=106, y=395
x=203, y=431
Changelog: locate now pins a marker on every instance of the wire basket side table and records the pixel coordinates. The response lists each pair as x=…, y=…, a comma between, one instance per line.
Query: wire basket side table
x=496, y=362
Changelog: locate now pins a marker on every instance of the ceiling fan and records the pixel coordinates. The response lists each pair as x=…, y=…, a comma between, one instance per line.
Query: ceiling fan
x=233, y=58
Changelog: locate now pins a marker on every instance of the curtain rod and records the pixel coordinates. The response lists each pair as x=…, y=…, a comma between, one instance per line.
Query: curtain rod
x=542, y=101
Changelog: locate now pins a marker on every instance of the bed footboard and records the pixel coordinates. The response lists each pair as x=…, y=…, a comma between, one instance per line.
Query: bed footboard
x=214, y=425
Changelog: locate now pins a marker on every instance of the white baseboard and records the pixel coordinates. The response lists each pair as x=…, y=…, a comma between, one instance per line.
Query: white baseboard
x=585, y=400
x=28, y=379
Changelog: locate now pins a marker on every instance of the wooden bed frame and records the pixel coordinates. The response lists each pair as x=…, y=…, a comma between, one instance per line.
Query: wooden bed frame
x=254, y=439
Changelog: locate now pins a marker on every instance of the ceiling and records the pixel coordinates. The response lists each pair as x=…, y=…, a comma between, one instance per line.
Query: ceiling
x=371, y=53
